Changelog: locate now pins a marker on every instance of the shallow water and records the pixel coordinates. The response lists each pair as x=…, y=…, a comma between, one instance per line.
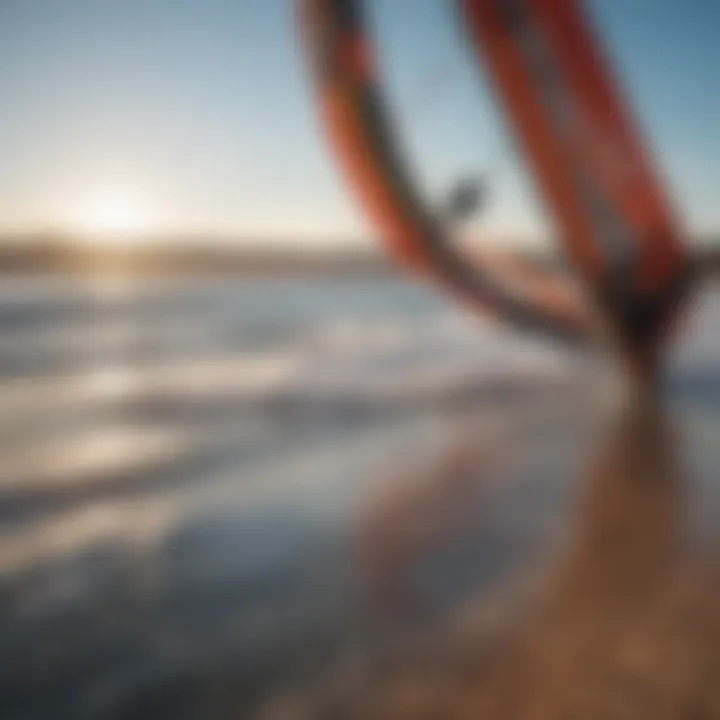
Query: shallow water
x=225, y=499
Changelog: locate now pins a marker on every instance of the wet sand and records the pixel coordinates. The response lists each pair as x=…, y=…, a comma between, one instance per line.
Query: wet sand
x=612, y=613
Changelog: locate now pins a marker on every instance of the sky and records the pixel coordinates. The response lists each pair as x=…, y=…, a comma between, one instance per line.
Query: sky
x=195, y=116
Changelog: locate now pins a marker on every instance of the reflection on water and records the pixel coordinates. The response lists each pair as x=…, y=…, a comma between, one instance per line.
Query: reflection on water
x=619, y=618
x=301, y=500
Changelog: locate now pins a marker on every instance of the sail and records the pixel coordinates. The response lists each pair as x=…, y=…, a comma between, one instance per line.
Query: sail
x=358, y=124
x=582, y=148
x=586, y=154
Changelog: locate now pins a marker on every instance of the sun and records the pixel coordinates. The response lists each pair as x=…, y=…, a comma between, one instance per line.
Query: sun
x=113, y=213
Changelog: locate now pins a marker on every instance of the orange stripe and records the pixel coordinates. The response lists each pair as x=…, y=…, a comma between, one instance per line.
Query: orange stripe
x=542, y=149
x=368, y=182
x=358, y=58
x=643, y=203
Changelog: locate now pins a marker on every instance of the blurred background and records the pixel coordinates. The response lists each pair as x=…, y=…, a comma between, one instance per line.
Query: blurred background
x=249, y=469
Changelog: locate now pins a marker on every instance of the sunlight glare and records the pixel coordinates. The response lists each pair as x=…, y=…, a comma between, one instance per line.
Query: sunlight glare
x=113, y=213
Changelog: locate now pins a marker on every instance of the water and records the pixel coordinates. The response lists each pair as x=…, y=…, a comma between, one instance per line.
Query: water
x=215, y=492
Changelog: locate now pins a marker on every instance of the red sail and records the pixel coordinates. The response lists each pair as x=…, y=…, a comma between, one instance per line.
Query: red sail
x=579, y=141
x=587, y=157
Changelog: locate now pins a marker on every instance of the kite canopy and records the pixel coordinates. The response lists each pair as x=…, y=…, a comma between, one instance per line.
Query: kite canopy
x=576, y=139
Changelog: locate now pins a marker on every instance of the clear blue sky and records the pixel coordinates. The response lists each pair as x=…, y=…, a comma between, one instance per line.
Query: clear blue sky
x=196, y=113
